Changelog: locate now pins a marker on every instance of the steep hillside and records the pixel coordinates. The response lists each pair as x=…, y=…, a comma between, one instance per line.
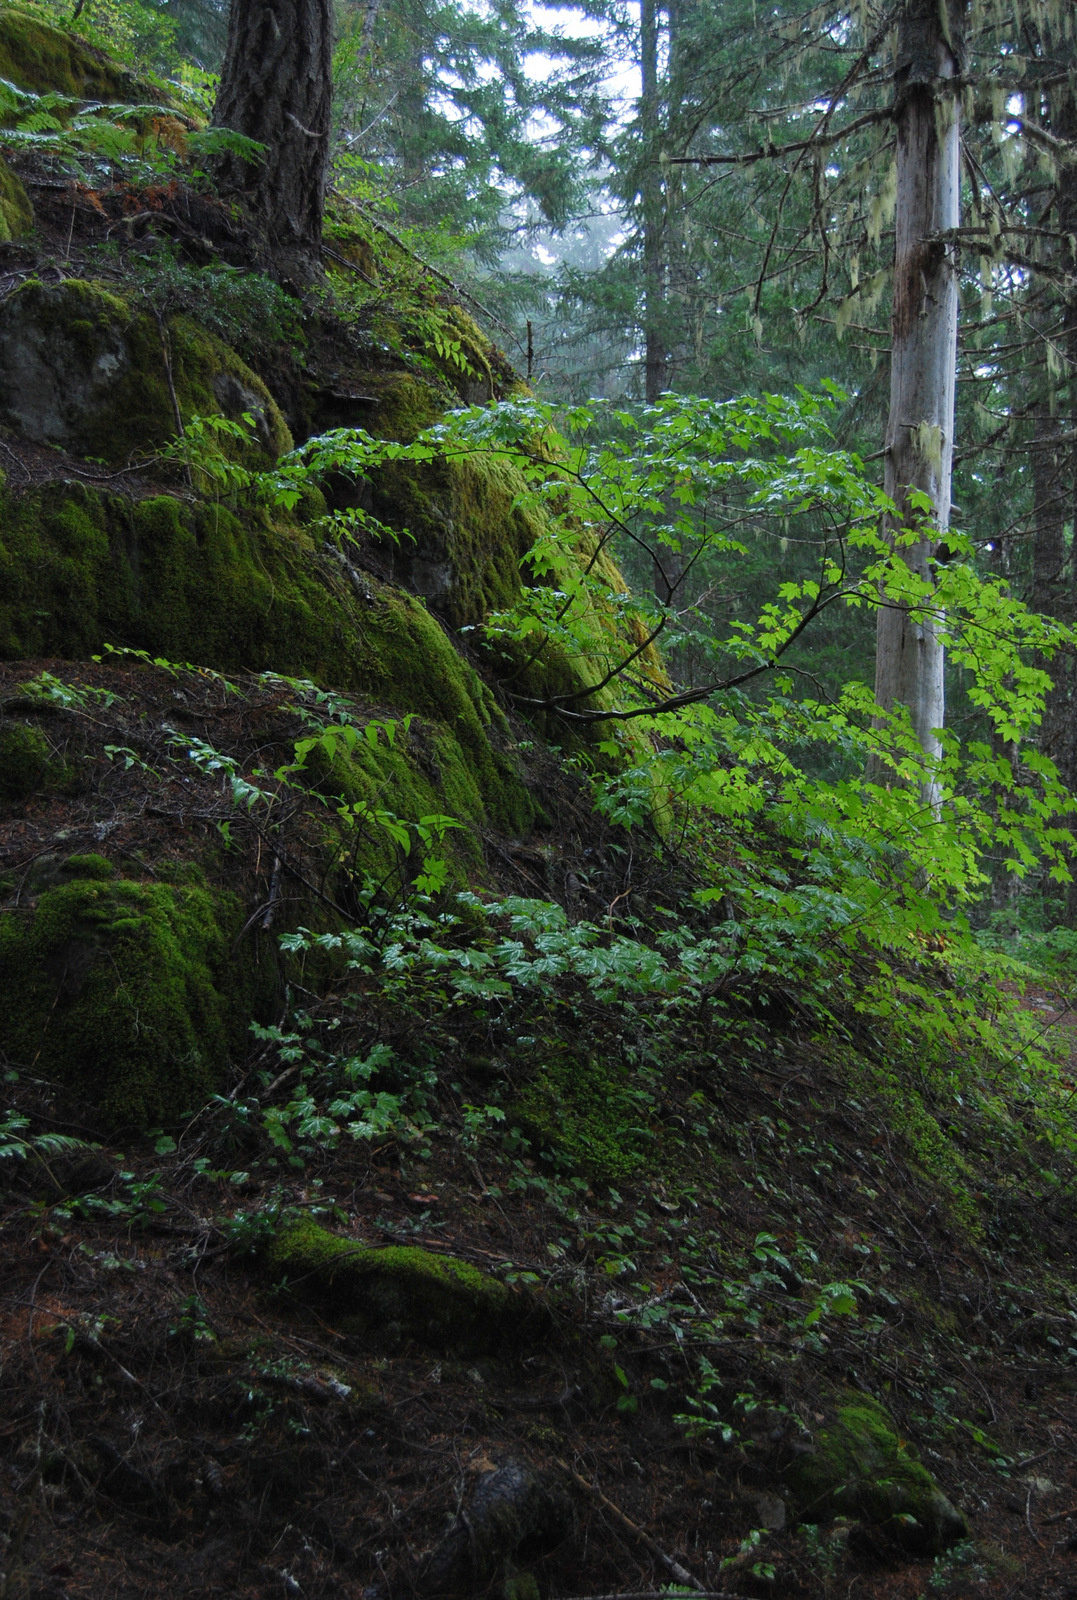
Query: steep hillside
x=410, y=1184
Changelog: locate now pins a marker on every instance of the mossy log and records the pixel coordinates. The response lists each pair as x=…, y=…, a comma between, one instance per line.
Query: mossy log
x=397, y=1295
x=859, y=1466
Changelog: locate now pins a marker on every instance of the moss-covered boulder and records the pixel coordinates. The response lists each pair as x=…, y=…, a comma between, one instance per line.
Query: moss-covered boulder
x=45, y=60
x=16, y=212
x=128, y=992
x=859, y=1466
x=398, y=1294
x=84, y=369
x=199, y=582
x=27, y=762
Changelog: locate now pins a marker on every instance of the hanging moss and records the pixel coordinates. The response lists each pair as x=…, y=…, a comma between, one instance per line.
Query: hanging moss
x=82, y=368
x=396, y=1295
x=127, y=992
x=860, y=1466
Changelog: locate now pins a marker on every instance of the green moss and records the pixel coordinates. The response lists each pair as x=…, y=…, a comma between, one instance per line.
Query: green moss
x=398, y=1294
x=121, y=990
x=89, y=866
x=81, y=368
x=859, y=1466
x=195, y=582
x=901, y=1089
x=467, y=535
x=42, y=58
x=27, y=763
x=588, y=1113
x=16, y=212
x=421, y=774
x=406, y=404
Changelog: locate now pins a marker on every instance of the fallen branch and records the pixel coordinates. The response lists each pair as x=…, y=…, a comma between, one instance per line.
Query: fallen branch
x=680, y=1573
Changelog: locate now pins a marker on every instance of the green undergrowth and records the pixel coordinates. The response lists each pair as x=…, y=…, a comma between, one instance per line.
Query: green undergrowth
x=599, y=1029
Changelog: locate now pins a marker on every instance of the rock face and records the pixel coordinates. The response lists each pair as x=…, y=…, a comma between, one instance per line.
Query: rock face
x=84, y=369
x=859, y=1466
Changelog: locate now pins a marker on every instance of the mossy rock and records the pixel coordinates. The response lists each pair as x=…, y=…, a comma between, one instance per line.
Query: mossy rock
x=859, y=1466
x=127, y=992
x=420, y=774
x=198, y=582
x=399, y=1294
x=41, y=58
x=83, y=369
x=16, y=212
x=467, y=535
x=27, y=763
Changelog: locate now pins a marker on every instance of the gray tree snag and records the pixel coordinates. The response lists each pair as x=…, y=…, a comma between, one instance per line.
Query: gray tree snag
x=656, y=366
x=909, y=656
x=276, y=87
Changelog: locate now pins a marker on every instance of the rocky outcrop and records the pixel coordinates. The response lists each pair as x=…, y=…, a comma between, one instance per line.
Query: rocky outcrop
x=859, y=1466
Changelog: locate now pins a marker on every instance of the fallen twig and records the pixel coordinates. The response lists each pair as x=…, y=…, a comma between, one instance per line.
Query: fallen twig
x=682, y=1575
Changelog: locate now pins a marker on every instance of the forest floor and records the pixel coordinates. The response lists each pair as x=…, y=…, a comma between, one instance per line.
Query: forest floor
x=176, y=1422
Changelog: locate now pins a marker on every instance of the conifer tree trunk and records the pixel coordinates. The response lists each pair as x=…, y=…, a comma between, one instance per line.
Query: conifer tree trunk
x=920, y=428
x=276, y=87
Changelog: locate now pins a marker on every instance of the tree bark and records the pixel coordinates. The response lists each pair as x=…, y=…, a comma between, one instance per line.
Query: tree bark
x=276, y=87
x=920, y=428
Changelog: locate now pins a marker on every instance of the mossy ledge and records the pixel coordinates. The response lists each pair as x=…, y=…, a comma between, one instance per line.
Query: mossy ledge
x=47, y=60
x=399, y=1294
x=859, y=1466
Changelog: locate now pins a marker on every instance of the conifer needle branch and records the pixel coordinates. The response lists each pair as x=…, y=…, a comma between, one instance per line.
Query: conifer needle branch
x=774, y=152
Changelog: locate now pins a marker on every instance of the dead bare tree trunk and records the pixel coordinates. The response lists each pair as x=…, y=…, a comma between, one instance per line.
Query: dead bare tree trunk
x=276, y=87
x=656, y=371
x=920, y=430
